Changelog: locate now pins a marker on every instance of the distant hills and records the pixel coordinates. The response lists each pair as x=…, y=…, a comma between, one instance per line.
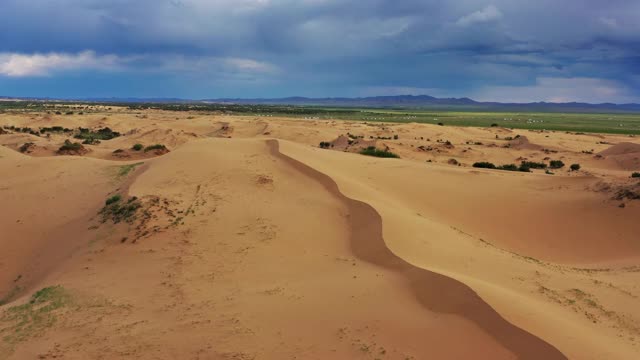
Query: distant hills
x=400, y=101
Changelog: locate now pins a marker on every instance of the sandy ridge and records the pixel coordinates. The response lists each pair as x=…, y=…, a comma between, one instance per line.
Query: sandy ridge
x=434, y=291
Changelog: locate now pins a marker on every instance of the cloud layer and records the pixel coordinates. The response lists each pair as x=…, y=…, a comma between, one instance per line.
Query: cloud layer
x=487, y=49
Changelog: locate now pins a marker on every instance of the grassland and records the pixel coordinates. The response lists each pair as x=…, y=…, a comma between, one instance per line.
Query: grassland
x=614, y=123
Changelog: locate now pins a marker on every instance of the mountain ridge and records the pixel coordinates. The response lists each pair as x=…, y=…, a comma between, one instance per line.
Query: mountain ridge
x=389, y=101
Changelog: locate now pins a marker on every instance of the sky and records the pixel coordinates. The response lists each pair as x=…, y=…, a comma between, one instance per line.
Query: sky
x=499, y=50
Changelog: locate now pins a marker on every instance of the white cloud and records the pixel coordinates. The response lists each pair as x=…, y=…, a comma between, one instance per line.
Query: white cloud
x=34, y=65
x=591, y=90
x=249, y=65
x=211, y=65
x=399, y=90
x=25, y=65
x=611, y=23
x=488, y=14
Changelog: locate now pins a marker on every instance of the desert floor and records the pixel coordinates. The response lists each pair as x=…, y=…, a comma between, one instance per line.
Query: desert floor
x=243, y=239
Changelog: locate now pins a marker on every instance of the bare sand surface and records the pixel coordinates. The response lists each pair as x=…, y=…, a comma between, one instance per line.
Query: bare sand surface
x=245, y=240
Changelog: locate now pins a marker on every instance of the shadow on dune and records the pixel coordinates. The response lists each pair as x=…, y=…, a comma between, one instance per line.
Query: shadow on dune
x=435, y=292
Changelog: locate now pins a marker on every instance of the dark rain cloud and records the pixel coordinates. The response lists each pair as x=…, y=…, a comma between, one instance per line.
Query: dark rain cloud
x=336, y=47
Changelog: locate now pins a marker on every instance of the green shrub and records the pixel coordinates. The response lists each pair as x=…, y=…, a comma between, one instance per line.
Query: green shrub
x=494, y=125
x=25, y=147
x=91, y=141
x=155, y=147
x=524, y=167
x=100, y=134
x=635, y=175
x=117, y=211
x=69, y=146
x=508, y=167
x=484, y=165
x=137, y=147
x=575, y=167
x=372, y=151
x=556, y=164
x=112, y=200
x=534, y=165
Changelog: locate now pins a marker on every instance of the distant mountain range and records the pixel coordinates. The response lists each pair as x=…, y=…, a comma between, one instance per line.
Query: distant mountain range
x=400, y=101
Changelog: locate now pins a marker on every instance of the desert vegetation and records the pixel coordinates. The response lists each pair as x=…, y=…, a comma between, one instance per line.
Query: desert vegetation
x=556, y=164
x=117, y=209
x=100, y=134
x=325, y=144
x=373, y=151
x=71, y=148
x=155, y=147
x=30, y=319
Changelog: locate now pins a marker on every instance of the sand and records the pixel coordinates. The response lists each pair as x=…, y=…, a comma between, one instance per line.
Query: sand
x=251, y=242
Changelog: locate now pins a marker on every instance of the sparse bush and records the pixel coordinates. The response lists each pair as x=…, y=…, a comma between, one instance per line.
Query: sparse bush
x=484, y=165
x=155, y=147
x=137, y=147
x=508, y=167
x=395, y=137
x=100, y=134
x=118, y=211
x=69, y=146
x=55, y=129
x=534, y=165
x=524, y=167
x=556, y=164
x=112, y=200
x=25, y=147
x=372, y=151
x=118, y=151
x=440, y=124
x=494, y=125
x=91, y=141
x=575, y=167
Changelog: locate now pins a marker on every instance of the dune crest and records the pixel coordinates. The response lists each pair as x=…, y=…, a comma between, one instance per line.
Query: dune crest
x=436, y=292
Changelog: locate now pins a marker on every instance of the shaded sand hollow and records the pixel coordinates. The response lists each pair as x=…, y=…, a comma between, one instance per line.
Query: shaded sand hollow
x=249, y=242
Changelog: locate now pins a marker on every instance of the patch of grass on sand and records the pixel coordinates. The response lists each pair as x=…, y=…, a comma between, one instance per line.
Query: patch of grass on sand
x=100, y=134
x=118, y=211
x=69, y=146
x=155, y=147
x=372, y=151
x=124, y=170
x=21, y=322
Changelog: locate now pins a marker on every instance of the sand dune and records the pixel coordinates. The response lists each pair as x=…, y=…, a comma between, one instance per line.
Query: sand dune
x=625, y=155
x=247, y=241
x=436, y=292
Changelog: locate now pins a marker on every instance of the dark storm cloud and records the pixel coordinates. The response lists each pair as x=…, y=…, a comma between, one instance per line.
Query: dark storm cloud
x=331, y=47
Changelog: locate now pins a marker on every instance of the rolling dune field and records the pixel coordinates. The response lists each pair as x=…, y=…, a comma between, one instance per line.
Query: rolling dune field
x=171, y=235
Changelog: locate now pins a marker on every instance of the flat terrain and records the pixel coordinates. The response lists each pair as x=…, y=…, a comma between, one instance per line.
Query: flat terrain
x=155, y=234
